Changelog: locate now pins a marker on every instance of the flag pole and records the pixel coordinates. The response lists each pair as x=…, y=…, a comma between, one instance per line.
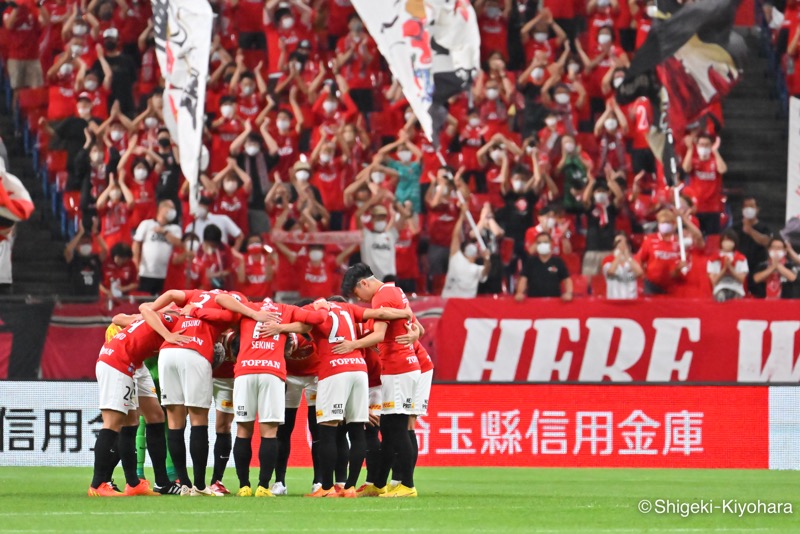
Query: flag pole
x=470, y=218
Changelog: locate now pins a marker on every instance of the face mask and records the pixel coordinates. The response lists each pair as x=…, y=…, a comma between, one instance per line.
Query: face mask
x=611, y=124
x=85, y=250
x=247, y=90
x=230, y=187
x=282, y=125
x=140, y=174
x=226, y=111
x=251, y=150
x=652, y=11
x=474, y=122
x=202, y=212
x=377, y=177
x=569, y=147
x=65, y=69
x=302, y=175
x=562, y=98
x=688, y=242
x=497, y=156
x=116, y=135
x=379, y=226
x=540, y=37
x=97, y=158
x=492, y=94
x=325, y=157
x=316, y=255
x=115, y=195
x=79, y=31
x=703, y=152
x=192, y=246
x=727, y=246
x=360, y=203
x=617, y=82
x=287, y=23
x=357, y=27
x=404, y=155
x=171, y=214
x=408, y=116
x=493, y=12
x=471, y=251
x=665, y=228
x=603, y=38
x=550, y=223
x=255, y=248
x=602, y=3
x=150, y=122
x=298, y=66
x=543, y=249
x=329, y=106
x=517, y=185
x=551, y=121
x=749, y=213
x=601, y=198
x=777, y=254
x=537, y=74
x=90, y=85
x=164, y=142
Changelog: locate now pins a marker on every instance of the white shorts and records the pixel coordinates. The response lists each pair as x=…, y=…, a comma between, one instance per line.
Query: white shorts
x=185, y=378
x=343, y=397
x=294, y=389
x=261, y=393
x=399, y=392
x=223, y=394
x=145, y=387
x=422, y=393
x=375, y=400
x=117, y=390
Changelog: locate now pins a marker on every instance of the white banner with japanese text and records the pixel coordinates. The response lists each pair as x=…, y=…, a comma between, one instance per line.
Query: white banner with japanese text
x=793, y=165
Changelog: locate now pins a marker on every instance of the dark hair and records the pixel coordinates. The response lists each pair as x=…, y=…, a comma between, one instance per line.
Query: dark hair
x=730, y=235
x=389, y=278
x=706, y=135
x=546, y=210
x=121, y=250
x=227, y=99
x=191, y=236
x=247, y=74
x=212, y=234
x=353, y=276
x=251, y=236
x=303, y=302
x=540, y=234
x=163, y=130
x=141, y=161
x=254, y=138
x=778, y=239
x=750, y=197
x=336, y=298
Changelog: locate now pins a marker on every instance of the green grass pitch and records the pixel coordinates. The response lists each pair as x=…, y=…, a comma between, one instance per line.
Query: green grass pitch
x=40, y=499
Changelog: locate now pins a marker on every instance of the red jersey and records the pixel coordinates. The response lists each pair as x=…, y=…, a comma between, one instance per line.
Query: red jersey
x=373, y=358
x=248, y=16
x=406, y=260
x=339, y=325
x=318, y=280
x=706, y=184
x=249, y=106
x=695, y=284
x=207, y=320
x=660, y=257
x=359, y=69
x=114, y=220
x=23, y=37
x=257, y=281
x=144, y=202
x=425, y=361
x=494, y=36
x=127, y=350
x=235, y=207
x=221, y=139
x=640, y=117
x=561, y=9
x=339, y=12
x=329, y=179
x=288, y=152
x=124, y=274
x=304, y=361
x=265, y=355
x=396, y=359
x=471, y=140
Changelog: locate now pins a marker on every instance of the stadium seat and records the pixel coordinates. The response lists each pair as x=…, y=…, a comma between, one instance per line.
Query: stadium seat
x=70, y=216
x=573, y=263
x=580, y=285
x=598, y=286
x=712, y=245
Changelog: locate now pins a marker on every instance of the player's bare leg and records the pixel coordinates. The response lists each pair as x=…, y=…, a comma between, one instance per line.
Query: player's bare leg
x=176, y=423
x=156, y=440
x=222, y=450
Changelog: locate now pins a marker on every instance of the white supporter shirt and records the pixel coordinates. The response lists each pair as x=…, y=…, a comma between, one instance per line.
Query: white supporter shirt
x=622, y=284
x=714, y=266
x=156, y=250
x=5, y=258
x=223, y=222
x=378, y=251
x=463, y=278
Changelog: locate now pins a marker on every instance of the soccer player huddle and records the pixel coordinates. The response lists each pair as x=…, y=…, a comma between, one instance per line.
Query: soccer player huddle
x=364, y=373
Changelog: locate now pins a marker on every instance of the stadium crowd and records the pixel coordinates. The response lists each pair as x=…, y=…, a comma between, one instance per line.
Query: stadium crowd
x=315, y=161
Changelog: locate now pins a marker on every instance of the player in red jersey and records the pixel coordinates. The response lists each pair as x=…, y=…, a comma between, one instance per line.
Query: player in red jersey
x=342, y=394
x=119, y=359
x=259, y=385
x=399, y=374
x=185, y=374
x=222, y=393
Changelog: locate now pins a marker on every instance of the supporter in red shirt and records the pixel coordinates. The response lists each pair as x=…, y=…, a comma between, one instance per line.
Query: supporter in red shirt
x=330, y=112
x=224, y=131
x=213, y=264
x=561, y=103
x=114, y=207
x=234, y=187
x=602, y=14
x=180, y=263
x=143, y=187
x=548, y=224
x=119, y=272
x=319, y=272
x=356, y=58
x=406, y=259
x=88, y=86
x=564, y=13
x=694, y=284
x=287, y=138
x=499, y=151
x=247, y=17
x=778, y=274
x=603, y=55
x=442, y=202
x=328, y=175
x=149, y=71
x=255, y=272
x=471, y=138
x=535, y=36
x=644, y=21
x=705, y=167
x=610, y=130
x=339, y=14
x=249, y=88
x=24, y=22
x=640, y=118
x=493, y=24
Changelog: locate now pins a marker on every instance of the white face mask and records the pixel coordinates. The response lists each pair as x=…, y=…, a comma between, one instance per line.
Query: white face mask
x=471, y=251
x=492, y=94
x=749, y=213
x=377, y=177
x=611, y=124
x=562, y=98
x=298, y=66
x=602, y=3
x=97, y=158
x=85, y=250
x=329, y=106
x=150, y=122
x=65, y=69
x=408, y=116
x=171, y=214
x=404, y=155
x=603, y=38
x=192, y=246
x=287, y=23
x=115, y=195
x=703, y=152
x=617, y=82
x=282, y=125
x=550, y=223
x=226, y=111
x=688, y=242
x=474, y=122
x=247, y=90
x=140, y=174
x=116, y=135
x=518, y=185
x=251, y=150
x=90, y=85
x=316, y=255
x=652, y=11
x=302, y=175
x=551, y=121
x=202, y=212
x=569, y=147
x=777, y=254
x=230, y=187
x=543, y=249
x=79, y=31
x=665, y=228
x=379, y=226
x=537, y=74
x=497, y=156
x=573, y=68
x=540, y=37
x=601, y=198
x=493, y=12
x=325, y=157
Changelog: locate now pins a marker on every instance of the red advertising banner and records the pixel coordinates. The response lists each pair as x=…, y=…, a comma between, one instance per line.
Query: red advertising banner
x=663, y=340
x=587, y=426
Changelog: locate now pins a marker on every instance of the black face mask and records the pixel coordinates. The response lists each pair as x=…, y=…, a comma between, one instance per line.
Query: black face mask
x=110, y=45
x=164, y=142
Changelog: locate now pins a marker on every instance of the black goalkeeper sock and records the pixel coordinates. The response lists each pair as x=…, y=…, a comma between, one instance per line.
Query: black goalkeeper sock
x=267, y=455
x=157, y=449
x=127, y=453
x=198, y=448
x=373, y=453
x=177, y=451
x=106, y=440
x=313, y=429
x=242, y=454
x=404, y=459
x=412, y=436
x=358, y=446
x=285, y=444
x=342, y=455
x=389, y=430
x=327, y=454
x=222, y=453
